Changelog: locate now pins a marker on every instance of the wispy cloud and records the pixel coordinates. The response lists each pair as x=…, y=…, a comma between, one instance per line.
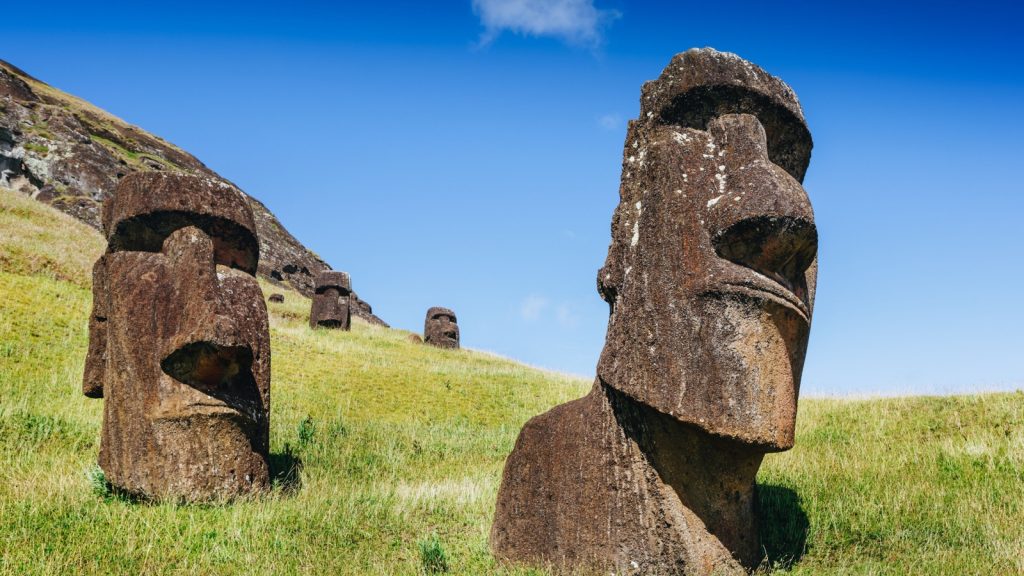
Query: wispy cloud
x=565, y=316
x=609, y=121
x=576, y=22
x=532, y=307
x=536, y=308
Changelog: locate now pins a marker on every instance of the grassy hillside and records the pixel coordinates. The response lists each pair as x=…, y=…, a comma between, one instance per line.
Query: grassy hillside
x=388, y=454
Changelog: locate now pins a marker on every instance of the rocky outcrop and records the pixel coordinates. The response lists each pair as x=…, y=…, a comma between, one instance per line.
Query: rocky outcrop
x=70, y=154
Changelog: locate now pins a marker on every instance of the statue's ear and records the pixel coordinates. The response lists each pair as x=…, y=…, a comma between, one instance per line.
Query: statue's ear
x=609, y=276
x=96, y=358
x=607, y=289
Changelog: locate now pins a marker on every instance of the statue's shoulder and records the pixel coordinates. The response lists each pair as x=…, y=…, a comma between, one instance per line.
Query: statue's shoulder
x=553, y=484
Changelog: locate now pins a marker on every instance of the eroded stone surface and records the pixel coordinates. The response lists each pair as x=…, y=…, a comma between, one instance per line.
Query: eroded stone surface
x=441, y=328
x=710, y=280
x=179, y=344
x=331, y=306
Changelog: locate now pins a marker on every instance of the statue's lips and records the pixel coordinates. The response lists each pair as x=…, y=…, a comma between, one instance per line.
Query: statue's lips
x=205, y=409
x=215, y=409
x=768, y=292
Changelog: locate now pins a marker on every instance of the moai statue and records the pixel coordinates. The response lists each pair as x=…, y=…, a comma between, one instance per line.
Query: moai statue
x=331, y=307
x=710, y=280
x=441, y=329
x=179, y=344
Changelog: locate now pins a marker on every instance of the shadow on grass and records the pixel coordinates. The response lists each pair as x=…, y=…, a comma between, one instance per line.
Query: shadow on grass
x=782, y=524
x=286, y=471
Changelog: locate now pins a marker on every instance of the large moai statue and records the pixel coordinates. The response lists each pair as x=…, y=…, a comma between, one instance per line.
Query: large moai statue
x=179, y=345
x=710, y=280
x=441, y=328
x=331, y=301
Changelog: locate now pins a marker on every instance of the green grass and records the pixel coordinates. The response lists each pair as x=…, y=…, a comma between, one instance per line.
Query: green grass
x=40, y=149
x=387, y=455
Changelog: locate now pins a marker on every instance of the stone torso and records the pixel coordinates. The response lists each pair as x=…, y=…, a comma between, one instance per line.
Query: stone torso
x=579, y=491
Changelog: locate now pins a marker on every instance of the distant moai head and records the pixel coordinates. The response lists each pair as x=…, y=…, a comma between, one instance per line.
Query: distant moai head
x=441, y=328
x=331, y=301
x=179, y=344
x=711, y=270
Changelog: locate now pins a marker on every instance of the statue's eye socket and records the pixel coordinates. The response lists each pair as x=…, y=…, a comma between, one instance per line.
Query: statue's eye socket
x=779, y=247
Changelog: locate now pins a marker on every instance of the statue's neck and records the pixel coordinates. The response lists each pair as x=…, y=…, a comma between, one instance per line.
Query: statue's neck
x=713, y=477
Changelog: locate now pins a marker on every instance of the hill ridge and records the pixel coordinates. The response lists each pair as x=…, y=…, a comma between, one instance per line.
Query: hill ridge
x=66, y=152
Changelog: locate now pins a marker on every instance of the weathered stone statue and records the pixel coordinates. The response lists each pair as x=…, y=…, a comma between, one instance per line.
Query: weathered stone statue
x=710, y=279
x=179, y=345
x=331, y=301
x=441, y=329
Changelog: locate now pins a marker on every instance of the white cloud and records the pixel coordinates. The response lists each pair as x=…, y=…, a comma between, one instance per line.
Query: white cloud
x=576, y=22
x=532, y=307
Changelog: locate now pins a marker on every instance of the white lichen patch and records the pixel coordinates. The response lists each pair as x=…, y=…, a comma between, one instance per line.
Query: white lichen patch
x=714, y=200
x=679, y=137
x=636, y=225
x=721, y=183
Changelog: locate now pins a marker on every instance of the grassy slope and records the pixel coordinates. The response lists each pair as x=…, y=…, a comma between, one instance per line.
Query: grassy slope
x=403, y=442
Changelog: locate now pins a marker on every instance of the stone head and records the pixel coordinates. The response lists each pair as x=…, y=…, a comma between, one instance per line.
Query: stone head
x=331, y=300
x=179, y=340
x=710, y=274
x=441, y=328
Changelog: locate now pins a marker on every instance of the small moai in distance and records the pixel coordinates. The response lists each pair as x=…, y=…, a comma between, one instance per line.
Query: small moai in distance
x=710, y=280
x=331, y=301
x=441, y=328
x=276, y=298
x=179, y=342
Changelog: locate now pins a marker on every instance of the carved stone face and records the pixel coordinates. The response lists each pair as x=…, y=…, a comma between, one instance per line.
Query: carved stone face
x=712, y=267
x=179, y=341
x=332, y=301
x=441, y=328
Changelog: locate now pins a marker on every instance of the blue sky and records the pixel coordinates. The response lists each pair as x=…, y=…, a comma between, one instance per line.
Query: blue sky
x=467, y=154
